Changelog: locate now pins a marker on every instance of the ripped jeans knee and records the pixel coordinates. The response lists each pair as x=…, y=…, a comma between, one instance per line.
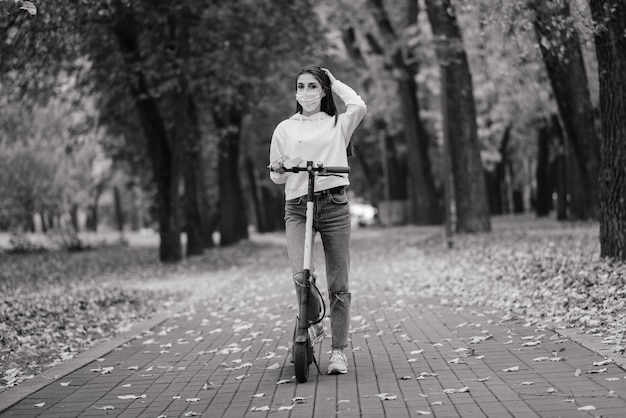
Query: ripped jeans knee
x=343, y=297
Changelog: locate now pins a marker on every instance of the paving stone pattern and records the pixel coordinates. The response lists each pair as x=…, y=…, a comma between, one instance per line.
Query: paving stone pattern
x=226, y=356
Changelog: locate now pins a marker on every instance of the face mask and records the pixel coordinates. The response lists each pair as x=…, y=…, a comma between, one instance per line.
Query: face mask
x=309, y=101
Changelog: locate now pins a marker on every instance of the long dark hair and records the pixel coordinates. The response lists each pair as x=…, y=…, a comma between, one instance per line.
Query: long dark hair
x=328, y=103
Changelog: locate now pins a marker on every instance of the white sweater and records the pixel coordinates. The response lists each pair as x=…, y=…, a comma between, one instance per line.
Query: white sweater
x=316, y=138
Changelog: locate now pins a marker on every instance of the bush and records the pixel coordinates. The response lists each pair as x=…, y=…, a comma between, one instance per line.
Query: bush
x=67, y=239
x=19, y=243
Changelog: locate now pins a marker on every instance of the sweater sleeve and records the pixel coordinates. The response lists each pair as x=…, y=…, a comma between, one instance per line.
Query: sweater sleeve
x=276, y=153
x=355, y=108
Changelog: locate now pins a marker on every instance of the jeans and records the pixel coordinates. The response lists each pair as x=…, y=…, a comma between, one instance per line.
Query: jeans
x=332, y=220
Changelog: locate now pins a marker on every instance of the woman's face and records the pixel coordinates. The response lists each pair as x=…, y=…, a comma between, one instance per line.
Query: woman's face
x=308, y=84
x=309, y=94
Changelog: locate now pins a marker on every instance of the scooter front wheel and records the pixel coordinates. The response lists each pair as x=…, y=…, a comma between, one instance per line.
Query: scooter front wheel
x=302, y=358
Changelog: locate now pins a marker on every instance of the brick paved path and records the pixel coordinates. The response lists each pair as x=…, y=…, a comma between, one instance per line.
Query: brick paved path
x=225, y=355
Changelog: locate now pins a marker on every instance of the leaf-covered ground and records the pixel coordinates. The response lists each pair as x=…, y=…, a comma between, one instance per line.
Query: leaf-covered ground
x=57, y=304
x=538, y=268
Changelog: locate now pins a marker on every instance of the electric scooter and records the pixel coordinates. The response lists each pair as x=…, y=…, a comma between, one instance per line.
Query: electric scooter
x=303, y=353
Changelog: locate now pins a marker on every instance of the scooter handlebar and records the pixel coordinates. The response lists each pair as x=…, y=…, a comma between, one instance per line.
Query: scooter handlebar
x=335, y=170
x=321, y=170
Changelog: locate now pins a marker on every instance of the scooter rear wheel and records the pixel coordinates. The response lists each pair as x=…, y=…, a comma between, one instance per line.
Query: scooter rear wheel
x=302, y=358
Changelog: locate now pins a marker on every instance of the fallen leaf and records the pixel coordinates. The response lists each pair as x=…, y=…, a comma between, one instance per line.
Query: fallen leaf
x=603, y=362
x=273, y=366
x=464, y=389
x=527, y=383
x=39, y=405
x=484, y=379
x=511, y=369
x=386, y=397
x=283, y=382
x=422, y=412
x=578, y=372
x=587, y=408
x=132, y=396
x=286, y=408
x=437, y=403
x=414, y=352
x=259, y=395
x=479, y=338
x=592, y=371
x=260, y=408
x=406, y=378
x=192, y=399
x=105, y=408
x=299, y=399
x=191, y=414
x=65, y=383
x=551, y=390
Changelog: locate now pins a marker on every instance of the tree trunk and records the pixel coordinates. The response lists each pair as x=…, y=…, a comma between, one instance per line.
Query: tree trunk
x=610, y=19
x=119, y=212
x=73, y=217
x=560, y=167
x=211, y=220
x=274, y=208
x=518, y=201
x=135, y=210
x=164, y=155
x=543, y=203
x=397, y=170
x=187, y=133
x=233, y=222
x=257, y=198
x=561, y=51
x=577, y=197
x=94, y=207
x=425, y=209
x=44, y=222
x=472, y=208
x=500, y=192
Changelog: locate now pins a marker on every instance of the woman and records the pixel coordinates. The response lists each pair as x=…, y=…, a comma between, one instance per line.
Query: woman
x=317, y=133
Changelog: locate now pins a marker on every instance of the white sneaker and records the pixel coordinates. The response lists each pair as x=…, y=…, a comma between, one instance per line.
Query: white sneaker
x=338, y=363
